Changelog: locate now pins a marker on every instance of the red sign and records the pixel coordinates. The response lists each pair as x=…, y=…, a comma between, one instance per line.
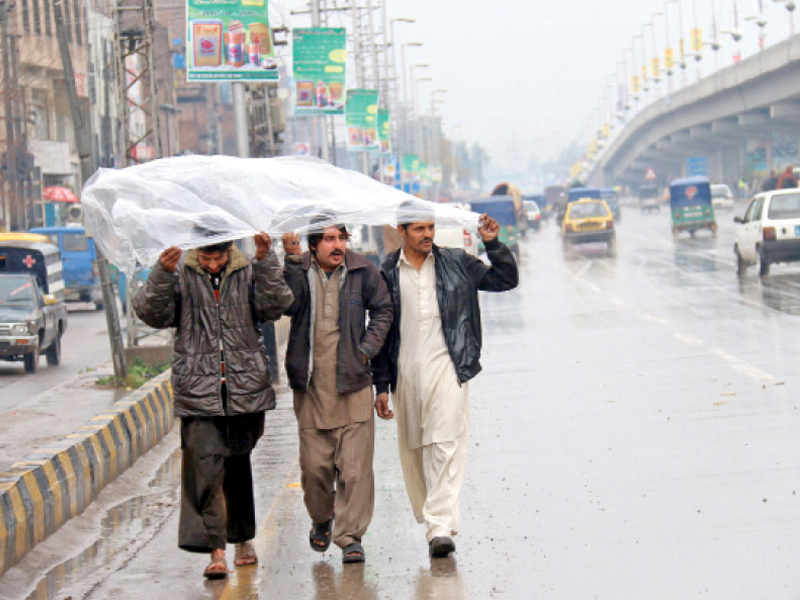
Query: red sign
x=650, y=174
x=29, y=261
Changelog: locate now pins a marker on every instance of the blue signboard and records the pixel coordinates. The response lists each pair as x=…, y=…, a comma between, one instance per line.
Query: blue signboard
x=697, y=166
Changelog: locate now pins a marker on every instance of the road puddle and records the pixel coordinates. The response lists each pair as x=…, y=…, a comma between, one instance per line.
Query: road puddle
x=121, y=524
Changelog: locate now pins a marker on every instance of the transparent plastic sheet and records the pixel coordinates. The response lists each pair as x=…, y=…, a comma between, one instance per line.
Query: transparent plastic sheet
x=191, y=201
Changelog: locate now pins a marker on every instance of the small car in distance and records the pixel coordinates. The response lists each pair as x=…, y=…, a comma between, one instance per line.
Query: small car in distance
x=586, y=221
x=769, y=232
x=721, y=196
x=533, y=214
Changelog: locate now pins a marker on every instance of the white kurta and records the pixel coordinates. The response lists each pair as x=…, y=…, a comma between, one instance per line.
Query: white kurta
x=432, y=408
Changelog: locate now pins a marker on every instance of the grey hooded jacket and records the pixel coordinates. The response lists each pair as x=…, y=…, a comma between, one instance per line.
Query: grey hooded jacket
x=251, y=292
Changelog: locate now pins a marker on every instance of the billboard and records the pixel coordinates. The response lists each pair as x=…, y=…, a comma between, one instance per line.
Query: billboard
x=361, y=119
x=318, y=63
x=229, y=40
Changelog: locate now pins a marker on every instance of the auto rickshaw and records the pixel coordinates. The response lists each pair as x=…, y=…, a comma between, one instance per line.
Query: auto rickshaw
x=648, y=198
x=513, y=192
x=502, y=210
x=610, y=195
x=690, y=206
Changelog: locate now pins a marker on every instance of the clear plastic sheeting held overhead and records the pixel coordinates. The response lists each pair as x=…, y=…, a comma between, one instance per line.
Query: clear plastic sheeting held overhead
x=190, y=201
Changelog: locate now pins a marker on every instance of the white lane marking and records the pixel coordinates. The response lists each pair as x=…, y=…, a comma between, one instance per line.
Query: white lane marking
x=689, y=339
x=743, y=367
x=653, y=318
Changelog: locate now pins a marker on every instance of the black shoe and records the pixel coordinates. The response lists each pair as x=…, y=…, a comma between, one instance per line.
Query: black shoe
x=441, y=547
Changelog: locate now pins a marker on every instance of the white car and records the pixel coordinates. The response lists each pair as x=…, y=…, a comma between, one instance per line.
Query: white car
x=721, y=196
x=769, y=232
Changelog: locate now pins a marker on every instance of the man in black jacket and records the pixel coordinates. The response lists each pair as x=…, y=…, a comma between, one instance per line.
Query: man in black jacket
x=432, y=351
x=328, y=363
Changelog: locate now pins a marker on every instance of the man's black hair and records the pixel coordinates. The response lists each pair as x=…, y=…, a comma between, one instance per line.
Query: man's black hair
x=315, y=235
x=414, y=211
x=214, y=248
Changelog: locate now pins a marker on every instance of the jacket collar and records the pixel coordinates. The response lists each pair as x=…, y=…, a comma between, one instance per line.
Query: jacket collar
x=236, y=260
x=394, y=258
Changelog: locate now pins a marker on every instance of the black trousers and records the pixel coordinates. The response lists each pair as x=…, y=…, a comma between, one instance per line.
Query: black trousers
x=217, y=504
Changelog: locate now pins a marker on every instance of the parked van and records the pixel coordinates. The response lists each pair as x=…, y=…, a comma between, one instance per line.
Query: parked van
x=78, y=255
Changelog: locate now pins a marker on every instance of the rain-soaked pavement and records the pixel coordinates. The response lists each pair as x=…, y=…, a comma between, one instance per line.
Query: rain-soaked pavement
x=635, y=434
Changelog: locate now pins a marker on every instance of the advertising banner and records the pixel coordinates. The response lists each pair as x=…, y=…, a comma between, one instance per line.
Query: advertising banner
x=318, y=62
x=361, y=119
x=410, y=167
x=384, y=132
x=655, y=67
x=697, y=40
x=668, y=58
x=229, y=40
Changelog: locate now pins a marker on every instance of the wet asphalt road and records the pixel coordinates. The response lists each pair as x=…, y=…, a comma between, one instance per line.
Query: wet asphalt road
x=635, y=434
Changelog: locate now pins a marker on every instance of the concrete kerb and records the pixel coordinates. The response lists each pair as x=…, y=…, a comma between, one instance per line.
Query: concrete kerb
x=51, y=485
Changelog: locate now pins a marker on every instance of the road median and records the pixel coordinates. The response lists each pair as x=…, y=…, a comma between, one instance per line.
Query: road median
x=45, y=489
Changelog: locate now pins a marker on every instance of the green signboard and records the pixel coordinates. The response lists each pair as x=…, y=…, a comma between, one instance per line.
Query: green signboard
x=384, y=133
x=361, y=118
x=318, y=58
x=229, y=40
x=410, y=167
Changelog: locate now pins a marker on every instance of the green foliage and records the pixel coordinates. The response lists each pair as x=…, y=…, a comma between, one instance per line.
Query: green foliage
x=139, y=373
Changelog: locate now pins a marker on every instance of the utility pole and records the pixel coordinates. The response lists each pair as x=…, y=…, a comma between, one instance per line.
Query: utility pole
x=9, y=85
x=87, y=169
x=323, y=121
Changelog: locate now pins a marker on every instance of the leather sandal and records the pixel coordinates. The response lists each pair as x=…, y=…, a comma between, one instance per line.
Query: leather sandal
x=320, y=536
x=213, y=570
x=245, y=554
x=353, y=553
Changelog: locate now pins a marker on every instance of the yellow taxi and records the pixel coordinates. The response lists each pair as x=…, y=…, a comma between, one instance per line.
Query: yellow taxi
x=588, y=220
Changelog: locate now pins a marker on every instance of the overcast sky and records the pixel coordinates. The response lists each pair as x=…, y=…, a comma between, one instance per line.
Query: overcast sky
x=526, y=78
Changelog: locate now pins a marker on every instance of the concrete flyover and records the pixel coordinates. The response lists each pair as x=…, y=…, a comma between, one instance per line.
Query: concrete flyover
x=740, y=112
x=51, y=485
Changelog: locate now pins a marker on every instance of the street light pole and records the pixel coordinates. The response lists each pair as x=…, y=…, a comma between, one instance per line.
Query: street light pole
x=406, y=145
x=415, y=144
x=398, y=147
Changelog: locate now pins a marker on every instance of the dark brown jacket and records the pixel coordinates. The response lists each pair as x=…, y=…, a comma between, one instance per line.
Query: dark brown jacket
x=251, y=292
x=363, y=292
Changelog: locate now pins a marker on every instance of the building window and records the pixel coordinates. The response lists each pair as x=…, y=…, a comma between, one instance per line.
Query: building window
x=37, y=23
x=77, y=12
x=40, y=114
x=67, y=18
x=48, y=28
x=26, y=16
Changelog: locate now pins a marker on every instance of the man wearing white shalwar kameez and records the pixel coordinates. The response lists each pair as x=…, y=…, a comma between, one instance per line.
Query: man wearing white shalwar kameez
x=428, y=359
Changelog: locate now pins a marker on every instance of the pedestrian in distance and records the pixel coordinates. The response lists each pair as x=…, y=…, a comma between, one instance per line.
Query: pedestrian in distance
x=328, y=363
x=770, y=183
x=431, y=353
x=214, y=297
x=787, y=179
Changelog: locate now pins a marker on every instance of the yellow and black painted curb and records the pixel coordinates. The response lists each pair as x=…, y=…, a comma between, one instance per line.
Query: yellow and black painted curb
x=50, y=486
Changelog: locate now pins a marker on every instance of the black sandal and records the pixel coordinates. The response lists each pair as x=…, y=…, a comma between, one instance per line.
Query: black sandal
x=353, y=553
x=320, y=536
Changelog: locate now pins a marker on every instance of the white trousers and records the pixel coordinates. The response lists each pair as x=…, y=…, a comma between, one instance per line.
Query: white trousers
x=434, y=474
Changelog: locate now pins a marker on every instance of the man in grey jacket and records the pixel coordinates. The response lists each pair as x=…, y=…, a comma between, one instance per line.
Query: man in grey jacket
x=214, y=297
x=328, y=364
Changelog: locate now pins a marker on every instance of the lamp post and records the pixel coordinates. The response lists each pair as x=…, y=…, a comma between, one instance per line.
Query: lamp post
x=395, y=100
x=436, y=139
x=414, y=103
x=418, y=141
x=405, y=95
x=790, y=6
